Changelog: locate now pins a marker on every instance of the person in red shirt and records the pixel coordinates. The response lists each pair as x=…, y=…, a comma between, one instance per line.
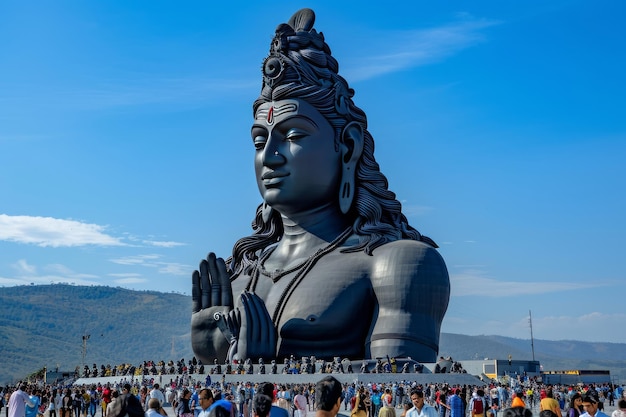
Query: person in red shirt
x=106, y=398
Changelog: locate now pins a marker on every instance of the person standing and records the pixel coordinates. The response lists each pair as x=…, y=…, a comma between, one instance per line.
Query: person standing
x=106, y=398
x=205, y=398
x=477, y=405
x=455, y=404
x=184, y=405
x=575, y=405
x=549, y=403
x=261, y=405
x=267, y=388
x=376, y=402
x=420, y=408
x=327, y=397
x=194, y=405
x=156, y=393
x=299, y=402
x=441, y=398
x=153, y=408
x=590, y=404
x=58, y=402
x=18, y=402
x=621, y=409
x=32, y=411
x=52, y=410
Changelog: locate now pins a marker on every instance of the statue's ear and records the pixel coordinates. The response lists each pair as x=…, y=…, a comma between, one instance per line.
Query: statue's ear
x=351, y=143
x=351, y=147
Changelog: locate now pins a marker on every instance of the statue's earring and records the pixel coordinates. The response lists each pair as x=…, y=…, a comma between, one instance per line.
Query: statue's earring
x=266, y=212
x=351, y=149
x=346, y=192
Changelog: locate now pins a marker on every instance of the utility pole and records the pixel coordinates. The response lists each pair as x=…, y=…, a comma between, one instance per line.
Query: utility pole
x=85, y=338
x=532, y=341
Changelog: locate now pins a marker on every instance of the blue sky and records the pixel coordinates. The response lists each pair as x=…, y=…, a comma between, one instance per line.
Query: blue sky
x=125, y=150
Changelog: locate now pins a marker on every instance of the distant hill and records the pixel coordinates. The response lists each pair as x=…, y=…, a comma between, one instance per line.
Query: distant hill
x=44, y=325
x=553, y=355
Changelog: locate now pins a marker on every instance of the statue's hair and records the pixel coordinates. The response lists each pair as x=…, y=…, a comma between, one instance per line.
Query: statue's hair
x=300, y=66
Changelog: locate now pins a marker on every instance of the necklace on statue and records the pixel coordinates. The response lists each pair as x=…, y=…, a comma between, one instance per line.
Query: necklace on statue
x=302, y=269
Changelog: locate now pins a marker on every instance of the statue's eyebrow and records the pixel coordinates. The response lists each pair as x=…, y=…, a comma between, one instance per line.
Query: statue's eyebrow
x=279, y=126
x=298, y=117
x=258, y=126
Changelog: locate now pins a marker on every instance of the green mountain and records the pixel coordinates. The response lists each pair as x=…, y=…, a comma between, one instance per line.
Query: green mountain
x=44, y=325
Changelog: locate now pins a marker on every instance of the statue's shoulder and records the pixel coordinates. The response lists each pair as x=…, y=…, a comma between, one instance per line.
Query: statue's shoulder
x=406, y=249
x=409, y=259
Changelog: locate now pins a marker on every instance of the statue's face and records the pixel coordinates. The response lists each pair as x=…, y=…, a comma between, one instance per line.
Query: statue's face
x=297, y=166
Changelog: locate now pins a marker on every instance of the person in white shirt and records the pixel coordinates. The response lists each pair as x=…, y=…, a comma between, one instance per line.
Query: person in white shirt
x=205, y=398
x=153, y=408
x=420, y=408
x=299, y=401
x=156, y=393
x=18, y=402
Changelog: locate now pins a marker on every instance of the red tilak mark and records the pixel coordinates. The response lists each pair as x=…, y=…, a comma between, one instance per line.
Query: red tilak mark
x=270, y=115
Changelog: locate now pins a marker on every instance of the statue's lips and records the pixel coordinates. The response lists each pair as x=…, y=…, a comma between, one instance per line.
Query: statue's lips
x=273, y=177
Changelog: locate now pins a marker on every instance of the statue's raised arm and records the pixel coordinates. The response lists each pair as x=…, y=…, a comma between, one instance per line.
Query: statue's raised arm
x=332, y=267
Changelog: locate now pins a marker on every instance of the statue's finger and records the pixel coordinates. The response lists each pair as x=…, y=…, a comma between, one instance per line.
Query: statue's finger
x=205, y=284
x=196, y=300
x=258, y=327
x=215, y=281
x=224, y=280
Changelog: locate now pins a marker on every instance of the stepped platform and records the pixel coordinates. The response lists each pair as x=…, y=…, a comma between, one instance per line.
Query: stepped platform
x=164, y=380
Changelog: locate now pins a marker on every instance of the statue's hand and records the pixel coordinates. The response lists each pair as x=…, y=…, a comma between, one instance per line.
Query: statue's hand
x=211, y=296
x=257, y=334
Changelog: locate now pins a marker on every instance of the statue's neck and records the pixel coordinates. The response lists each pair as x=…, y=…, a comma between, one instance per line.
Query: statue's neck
x=314, y=226
x=305, y=233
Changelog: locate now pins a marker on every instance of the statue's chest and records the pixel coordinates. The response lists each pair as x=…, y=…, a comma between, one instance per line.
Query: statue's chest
x=305, y=292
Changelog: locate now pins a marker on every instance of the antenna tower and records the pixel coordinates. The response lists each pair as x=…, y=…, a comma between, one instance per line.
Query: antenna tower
x=532, y=340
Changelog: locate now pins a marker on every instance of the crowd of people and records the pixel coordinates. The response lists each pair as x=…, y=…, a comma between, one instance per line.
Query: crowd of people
x=187, y=397
x=292, y=365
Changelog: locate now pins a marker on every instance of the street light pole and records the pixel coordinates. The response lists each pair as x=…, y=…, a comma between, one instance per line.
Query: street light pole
x=85, y=338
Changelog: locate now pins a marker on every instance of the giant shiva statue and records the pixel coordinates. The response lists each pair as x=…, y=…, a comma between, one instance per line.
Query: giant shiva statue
x=332, y=267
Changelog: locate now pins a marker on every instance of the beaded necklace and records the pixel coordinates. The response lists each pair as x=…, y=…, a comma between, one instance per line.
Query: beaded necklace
x=303, y=268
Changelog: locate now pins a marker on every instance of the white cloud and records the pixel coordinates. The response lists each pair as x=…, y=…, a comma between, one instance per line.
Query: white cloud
x=163, y=244
x=415, y=210
x=24, y=268
x=408, y=49
x=144, y=260
x=592, y=323
x=51, y=232
x=472, y=282
x=11, y=282
x=152, y=261
x=173, y=268
x=54, y=273
x=125, y=275
x=130, y=280
x=597, y=327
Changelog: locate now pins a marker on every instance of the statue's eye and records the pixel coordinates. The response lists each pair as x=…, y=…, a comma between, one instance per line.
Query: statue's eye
x=259, y=142
x=295, y=134
x=259, y=137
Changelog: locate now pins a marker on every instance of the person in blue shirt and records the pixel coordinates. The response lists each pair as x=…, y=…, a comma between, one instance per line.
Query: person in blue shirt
x=194, y=404
x=455, y=403
x=36, y=400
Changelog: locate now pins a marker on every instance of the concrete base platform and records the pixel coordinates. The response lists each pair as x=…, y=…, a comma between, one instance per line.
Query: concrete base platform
x=163, y=380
